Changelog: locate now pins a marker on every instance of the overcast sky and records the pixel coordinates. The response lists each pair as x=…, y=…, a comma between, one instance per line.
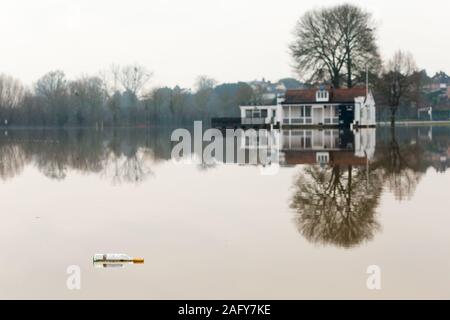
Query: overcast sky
x=229, y=40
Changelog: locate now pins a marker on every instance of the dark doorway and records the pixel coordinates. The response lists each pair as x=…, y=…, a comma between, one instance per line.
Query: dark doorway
x=346, y=115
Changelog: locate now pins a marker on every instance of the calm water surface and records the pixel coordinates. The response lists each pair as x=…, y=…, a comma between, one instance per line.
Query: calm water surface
x=226, y=231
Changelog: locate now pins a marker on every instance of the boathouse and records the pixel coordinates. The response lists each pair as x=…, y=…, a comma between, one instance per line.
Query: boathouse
x=316, y=107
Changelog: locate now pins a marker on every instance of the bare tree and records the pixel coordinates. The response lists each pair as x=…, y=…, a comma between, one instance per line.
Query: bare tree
x=12, y=94
x=204, y=89
x=358, y=30
x=332, y=41
x=204, y=83
x=110, y=79
x=52, y=84
x=133, y=78
x=52, y=87
x=397, y=81
x=88, y=97
x=317, y=47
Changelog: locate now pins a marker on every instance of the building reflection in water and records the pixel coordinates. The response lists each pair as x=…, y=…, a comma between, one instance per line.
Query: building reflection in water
x=336, y=194
x=327, y=147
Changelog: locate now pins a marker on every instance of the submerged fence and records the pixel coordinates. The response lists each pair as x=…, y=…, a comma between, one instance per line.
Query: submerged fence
x=405, y=114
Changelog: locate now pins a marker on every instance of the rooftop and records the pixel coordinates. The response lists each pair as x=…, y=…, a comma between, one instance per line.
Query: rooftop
x=345, y=95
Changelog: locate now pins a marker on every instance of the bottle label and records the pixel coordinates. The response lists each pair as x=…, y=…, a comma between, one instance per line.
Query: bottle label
x=116, y=257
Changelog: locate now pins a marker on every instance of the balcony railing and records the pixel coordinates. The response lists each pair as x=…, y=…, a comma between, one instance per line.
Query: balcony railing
x=331, y=121
x=254, y=121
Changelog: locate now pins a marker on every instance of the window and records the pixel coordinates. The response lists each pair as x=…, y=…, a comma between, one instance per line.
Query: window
x=308, y=140
x=295, y=112
x=297, y=115
x=286, y=115
x=322, y=95
x=286, y=139
x=297, y=139
x=323, y=157
x=328, y=139
x=308, y=112
x=331, y=114
x=256, y=113
x=264, y=113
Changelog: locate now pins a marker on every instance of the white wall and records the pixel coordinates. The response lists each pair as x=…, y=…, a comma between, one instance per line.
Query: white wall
x=365, y=113
x=365, y=142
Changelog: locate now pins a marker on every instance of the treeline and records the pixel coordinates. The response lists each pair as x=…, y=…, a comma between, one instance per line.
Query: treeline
x=116, y=97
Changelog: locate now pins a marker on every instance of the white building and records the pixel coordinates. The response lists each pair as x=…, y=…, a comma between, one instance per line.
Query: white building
x=260, y=115
x=326, y=106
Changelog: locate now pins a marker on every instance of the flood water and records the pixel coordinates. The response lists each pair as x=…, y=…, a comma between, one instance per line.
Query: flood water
x=337, y=204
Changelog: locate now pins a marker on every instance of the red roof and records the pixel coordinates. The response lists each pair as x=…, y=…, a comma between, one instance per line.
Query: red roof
x=336, y=158
x=345, y=95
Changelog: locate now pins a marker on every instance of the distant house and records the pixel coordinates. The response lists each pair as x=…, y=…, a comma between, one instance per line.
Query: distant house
x=268, y=90
x=441, y=79
x=440, y=84
x=324, y=106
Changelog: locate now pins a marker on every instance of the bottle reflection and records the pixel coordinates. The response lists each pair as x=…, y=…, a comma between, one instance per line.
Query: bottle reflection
x=102, y=265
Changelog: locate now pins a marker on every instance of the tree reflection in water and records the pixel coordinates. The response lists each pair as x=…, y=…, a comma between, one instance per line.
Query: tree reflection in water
x=336, y=205
x=122, y=156
x=134, y=168
x=12, y=161
x=401, y=165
